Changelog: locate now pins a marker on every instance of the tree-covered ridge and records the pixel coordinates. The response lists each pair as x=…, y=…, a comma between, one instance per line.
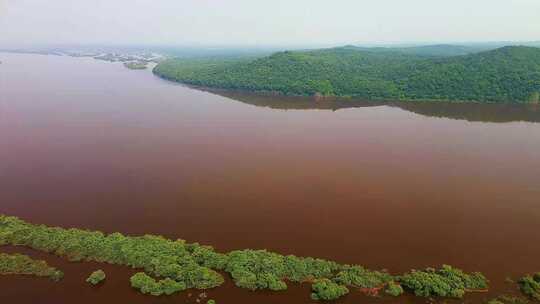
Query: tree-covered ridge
x=436, y=50
x=508, y=74
x=173, y=265
x=505, y=74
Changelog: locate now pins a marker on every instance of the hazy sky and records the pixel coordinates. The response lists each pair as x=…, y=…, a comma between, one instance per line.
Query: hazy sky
x=265, y=22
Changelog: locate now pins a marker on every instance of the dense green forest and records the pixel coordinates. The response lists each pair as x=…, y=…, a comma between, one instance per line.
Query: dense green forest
x=437, y=50
x=507, y=74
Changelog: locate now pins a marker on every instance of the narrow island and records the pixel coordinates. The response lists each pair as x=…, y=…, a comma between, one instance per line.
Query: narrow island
x=432, y=73
x=135, y=65
x=171, y=266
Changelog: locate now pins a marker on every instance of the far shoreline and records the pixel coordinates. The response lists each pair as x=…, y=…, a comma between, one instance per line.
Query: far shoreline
x=329, y=98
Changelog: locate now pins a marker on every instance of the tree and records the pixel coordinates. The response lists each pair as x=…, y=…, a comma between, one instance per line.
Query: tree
x=530, y=286
x=325, y=289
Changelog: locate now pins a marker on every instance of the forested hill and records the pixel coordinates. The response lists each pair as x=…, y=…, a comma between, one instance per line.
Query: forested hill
x=508, y=74
x=437, y=50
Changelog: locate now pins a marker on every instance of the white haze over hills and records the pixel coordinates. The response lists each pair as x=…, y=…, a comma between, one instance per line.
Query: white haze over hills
x=264, y=23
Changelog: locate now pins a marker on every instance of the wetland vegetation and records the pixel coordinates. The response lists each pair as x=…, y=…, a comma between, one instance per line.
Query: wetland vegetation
x=178, y=265
x=24, y=265
x=530, y=286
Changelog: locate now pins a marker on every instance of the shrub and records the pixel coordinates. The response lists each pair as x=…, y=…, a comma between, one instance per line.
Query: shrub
x=357, y=276
x=260, y=269
x=530, y=286
x=445, y=282
x=149, y=285
x=394, y=289
x=508, y=300
x=25, y=265
x=96, y=277
x=325, y=289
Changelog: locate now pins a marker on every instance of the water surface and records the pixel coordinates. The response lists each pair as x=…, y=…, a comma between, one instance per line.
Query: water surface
x=91, y=144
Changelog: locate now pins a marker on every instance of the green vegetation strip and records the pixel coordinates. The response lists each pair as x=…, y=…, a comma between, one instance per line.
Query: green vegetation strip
x=25, y=265
x=505, y=299
x=173, y=265
x=509, y=74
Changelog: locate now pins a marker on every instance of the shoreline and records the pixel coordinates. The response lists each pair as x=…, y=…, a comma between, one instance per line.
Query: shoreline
x=331, y=98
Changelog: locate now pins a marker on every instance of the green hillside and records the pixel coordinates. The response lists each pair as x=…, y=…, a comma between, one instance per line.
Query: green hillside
x=504, y=74
x=441, y=50
x=437, y=50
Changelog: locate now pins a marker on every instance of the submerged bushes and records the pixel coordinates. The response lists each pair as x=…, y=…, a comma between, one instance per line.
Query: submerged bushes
x=260, y=269
x=394, y=289
x=156, y=255
x=171, y=266
x=357, y=276
x=324, y=289
x=148, y=285
x=444, y=282
x=25, y=265
x=530, y=286
x=96, y=277
x=504, y=299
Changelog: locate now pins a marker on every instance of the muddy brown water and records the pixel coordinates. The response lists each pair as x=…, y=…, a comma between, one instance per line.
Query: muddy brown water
x=91, y=144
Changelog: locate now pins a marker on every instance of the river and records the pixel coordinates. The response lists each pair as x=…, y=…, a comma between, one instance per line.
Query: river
x=91, y=144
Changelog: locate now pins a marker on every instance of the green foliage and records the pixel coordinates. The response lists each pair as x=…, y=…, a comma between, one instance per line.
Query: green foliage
x=25, y=265
x=357, y=276
x=394, y=289
x=149, y=285
x=171, y=266
x=260, y=269
x=534, y=98
x=508, y=300
x=530, y=286
x=96, y=277
x=444, y=282
x=324, y=289
x=440, y=50
x=210, y=302
x=207, y=257
x=501, y=75
x=156, y=255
